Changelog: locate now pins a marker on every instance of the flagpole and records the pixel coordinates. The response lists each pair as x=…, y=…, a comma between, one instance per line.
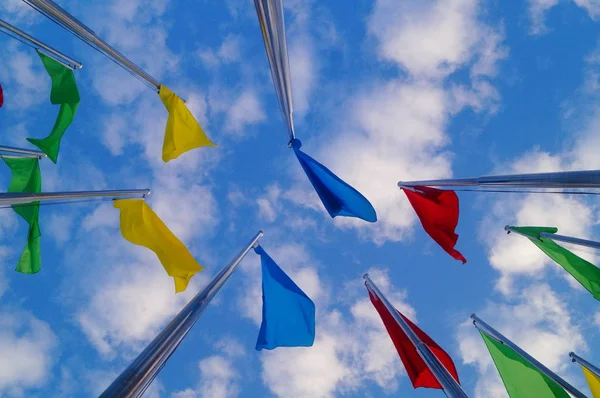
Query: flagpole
x=561, y=238
x=577, y=359
x=11, y=198
x=21, y=151
x=53, y=11
x=450, y=386
x=488, y=330
x=563, y=179
x=271, y=20
x=55, y=54
x=138, y=376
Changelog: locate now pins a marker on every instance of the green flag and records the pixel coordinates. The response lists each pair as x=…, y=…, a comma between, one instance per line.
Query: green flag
x=585, y=272
x=64, y=92
x=26, y=177
x=520, y=377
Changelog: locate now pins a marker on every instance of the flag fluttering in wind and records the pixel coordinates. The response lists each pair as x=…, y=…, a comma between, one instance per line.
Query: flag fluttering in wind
x=288, y=314
x=1, y=96
x=438, y=211
x=520, y=377
x=583, y=271
x=593, y=381
x=141, y=226
x=339, y=198
x=26, y=177
x=416, y=368
x=183, y=132
x=64, y=93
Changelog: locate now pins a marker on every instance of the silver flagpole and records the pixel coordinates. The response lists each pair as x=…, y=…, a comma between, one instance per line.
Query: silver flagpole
x=55, y=54
x=488, y=330
x=138, y=376
x=13, y=198
x=577, y=359
x=20, y=152
x=58, y=14
x=561, y=238
x=270, y=18
x=450, y=386
x=563, y=179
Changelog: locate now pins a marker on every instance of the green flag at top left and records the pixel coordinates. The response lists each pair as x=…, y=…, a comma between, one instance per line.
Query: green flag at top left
x=26, y=177
x=64, y=93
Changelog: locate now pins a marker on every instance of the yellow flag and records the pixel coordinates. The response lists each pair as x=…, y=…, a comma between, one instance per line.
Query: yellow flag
x=141, y=226
x=593, y=382
x=183, y=133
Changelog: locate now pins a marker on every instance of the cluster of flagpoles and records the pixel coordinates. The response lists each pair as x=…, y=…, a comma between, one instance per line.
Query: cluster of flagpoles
x=338, y=197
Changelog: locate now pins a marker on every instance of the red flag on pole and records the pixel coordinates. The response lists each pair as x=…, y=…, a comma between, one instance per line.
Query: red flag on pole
x=438, y=211
x=417, y=370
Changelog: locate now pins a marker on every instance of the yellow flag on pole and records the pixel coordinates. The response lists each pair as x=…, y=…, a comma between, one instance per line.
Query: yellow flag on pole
x=141, y=226
x=183, y=133
x=593, y=382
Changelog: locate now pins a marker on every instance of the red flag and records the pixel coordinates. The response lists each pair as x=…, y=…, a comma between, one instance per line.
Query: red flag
x=438, y=212
x=1, y=96
x=417, y=370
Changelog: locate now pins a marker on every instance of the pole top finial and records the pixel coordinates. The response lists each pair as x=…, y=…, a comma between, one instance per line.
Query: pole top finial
x=365, y=275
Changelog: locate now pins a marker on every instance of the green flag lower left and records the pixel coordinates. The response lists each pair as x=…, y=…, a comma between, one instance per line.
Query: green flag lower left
x=26, y=177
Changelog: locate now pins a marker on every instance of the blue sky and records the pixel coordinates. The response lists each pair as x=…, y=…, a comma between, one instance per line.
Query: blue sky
x=384, y=90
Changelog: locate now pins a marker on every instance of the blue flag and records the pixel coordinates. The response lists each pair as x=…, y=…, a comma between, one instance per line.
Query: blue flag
x=339, y=198
x=288, y=314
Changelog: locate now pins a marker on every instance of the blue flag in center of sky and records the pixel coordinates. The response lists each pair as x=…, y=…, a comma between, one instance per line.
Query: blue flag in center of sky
x=288, y=313
x=339, y=198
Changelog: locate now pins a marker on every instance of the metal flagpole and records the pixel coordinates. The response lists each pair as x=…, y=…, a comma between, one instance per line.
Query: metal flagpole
x=51, y=52
x=138, y=376
x=450, y=386
x=577, y=359
x=563, y=179
x=561, y=238
x=22, y=153
x=58, y=14
x=13, y=198
x=270, y=18
x=488, y=330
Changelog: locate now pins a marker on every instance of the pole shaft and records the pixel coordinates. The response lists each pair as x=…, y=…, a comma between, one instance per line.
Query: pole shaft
x=487, y=329
x=569, y=239
x=563, y=179
x=450, y=386
x=58, y=56
x=53, y=10
x=592, y=368
x=134, y=380
x=11, y=198
x=10, y=149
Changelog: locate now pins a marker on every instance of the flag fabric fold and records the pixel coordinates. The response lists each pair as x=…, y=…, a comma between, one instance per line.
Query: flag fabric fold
x=1, y=96
x=438, y=212
x=416, y=368
x=141, y=226
x=288, y=314
x=64, y=92
x=183, y=133
x=26, y=177
x=520, y=377
x=583, y=271
x=593, y=382
x=339, y=198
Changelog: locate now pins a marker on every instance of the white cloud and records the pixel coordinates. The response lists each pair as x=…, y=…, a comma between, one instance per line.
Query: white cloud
x=539, y=323
x=24, y=80
x=230, y=51
x=28, y=348
x=539, y=8
x=245, y=111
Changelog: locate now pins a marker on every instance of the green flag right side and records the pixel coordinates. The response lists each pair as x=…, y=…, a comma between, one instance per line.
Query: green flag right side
x=583, y=271
x=26, y=177
x=520, y=377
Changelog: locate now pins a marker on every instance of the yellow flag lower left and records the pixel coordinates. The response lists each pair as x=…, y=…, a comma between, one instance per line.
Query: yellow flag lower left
x=141, y=226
